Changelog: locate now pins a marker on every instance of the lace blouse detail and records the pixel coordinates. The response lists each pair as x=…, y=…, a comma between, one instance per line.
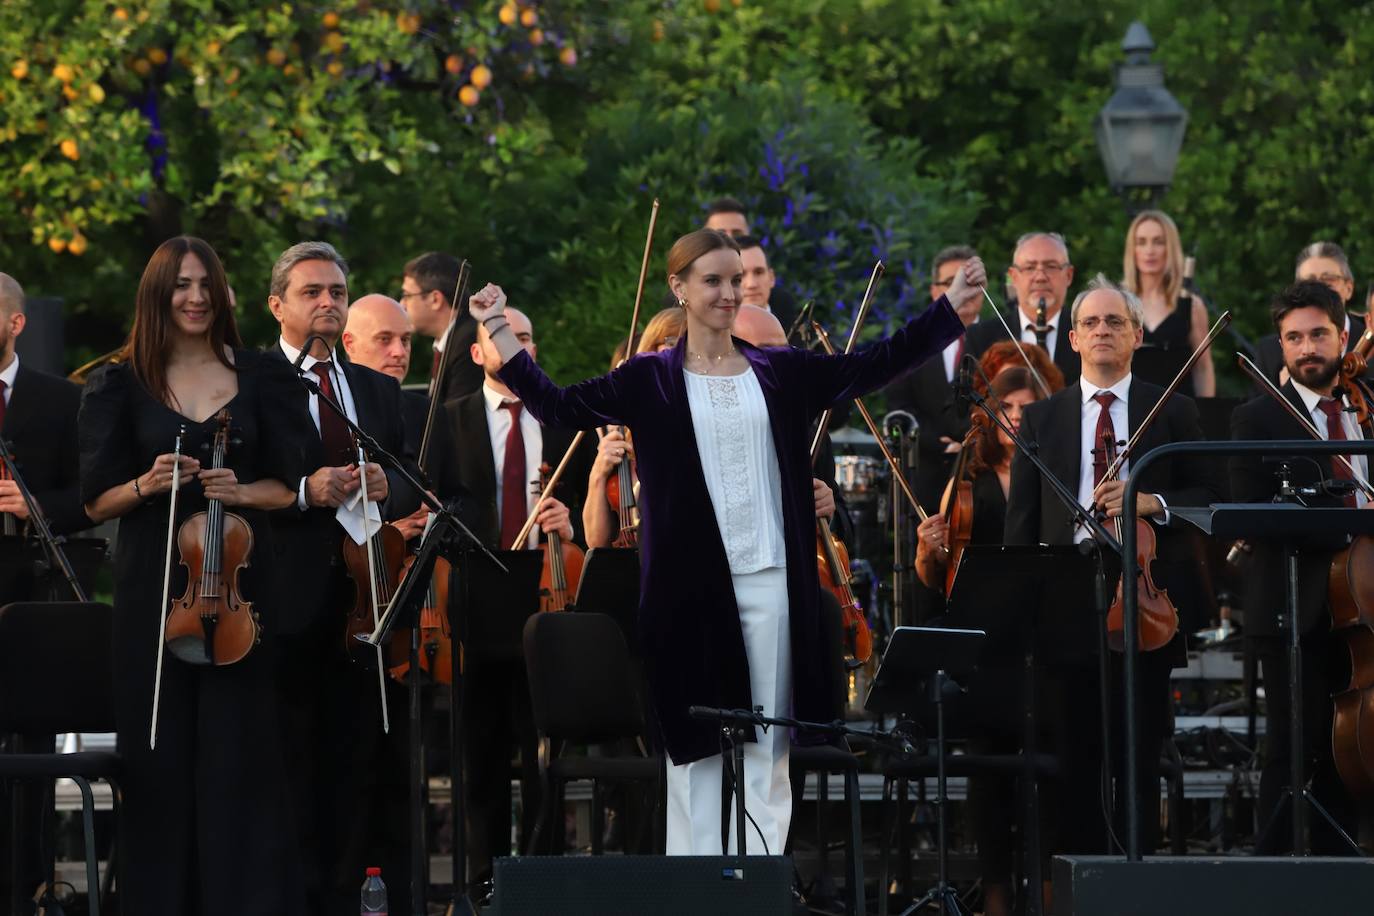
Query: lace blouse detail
x=735, y=443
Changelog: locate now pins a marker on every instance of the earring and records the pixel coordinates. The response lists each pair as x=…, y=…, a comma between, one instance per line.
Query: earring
x=682, y=303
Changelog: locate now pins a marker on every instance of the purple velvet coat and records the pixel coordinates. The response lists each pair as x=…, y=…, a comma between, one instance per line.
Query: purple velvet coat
x=689, y=623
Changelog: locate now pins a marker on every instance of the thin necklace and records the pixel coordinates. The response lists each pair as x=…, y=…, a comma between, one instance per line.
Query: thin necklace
x=711, y=362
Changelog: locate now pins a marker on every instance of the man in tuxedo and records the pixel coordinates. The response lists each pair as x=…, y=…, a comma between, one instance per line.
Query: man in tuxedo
x=427, y=289
x=1066, y=429
x=499, y=448
x=927, y=393
x=1326, y=263
x=759, y=286
x=38, y=420
x=1040, y=271
x=329, y=707
x=1309, y=318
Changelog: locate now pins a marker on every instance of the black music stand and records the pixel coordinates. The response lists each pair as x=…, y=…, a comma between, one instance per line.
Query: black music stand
x=1293, y=525
x=1045, y=580
x=610, y=585
x=27, y=574
x=918, y=668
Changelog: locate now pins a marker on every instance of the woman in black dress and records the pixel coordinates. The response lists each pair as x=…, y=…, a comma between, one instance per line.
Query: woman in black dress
x=1175, y=319
x=203, y=826
x=995, y=721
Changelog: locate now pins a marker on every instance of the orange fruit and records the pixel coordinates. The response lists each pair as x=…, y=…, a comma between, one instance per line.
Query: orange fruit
x=70, y=149
x=330, y=20
x=453, y=64
x=213, y=49
x=528, y=18
x=70, y=93
x=536, y=36
x=63, y=73
x=409, y=23
x=57, y=245
x=335, y=68
x=142, y=67
x=276, y=57
x=658, y=30
x=334, y=42
x=157, y=56
x=469, y=96
x=481, y=76
x=568, y=56
x=508, y=14
x=712, y=6
x=120, y=14
x=77, y=245
x=96, y=92
x=20, y=69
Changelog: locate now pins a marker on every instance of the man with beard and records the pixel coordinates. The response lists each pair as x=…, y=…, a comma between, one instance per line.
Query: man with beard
x=1326, y=263
x=1310, y=320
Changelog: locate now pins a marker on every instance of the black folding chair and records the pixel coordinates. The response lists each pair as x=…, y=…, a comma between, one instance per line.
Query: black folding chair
x=56, y=677
x=583, y=692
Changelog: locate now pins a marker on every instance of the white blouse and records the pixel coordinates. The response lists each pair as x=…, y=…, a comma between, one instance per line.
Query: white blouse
x=735, y=442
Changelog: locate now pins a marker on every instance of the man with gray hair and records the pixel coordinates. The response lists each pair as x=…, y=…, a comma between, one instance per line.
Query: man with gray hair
x=1326, y=263
x=1069, y=431
x=328, y=706
x=1041, y=274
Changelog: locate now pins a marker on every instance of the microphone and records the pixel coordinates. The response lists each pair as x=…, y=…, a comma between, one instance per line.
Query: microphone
x=305, y=350
x=963, y=386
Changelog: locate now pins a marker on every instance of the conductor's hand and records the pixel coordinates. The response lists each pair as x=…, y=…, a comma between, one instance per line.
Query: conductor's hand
x=553, y=516
x=12, y=501
x=968, y=282
x=378, y=488
x=329, y=487
x=1110, y=494
x=488, y=301
x=825, y=499
x=158, y=478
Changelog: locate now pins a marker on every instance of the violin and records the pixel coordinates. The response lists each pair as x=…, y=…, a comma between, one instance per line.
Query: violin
x=377, y=575
x=620, y=493
x=562, y=568
x=1158, y=618
x=211, y=623
x=959, y=511
x=436, y=654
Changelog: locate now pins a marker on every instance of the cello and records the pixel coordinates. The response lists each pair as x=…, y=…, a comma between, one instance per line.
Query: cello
x=211, y=623
x=1350, y=594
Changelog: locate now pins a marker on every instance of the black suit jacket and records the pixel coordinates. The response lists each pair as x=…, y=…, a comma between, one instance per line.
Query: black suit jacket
x=1054, y=426
x=1254, y=481
x=476, y=469
x=40, y=425
x=461, y=375
x=929, y=397
x=308, y=541
x=441, y=468
x=983, y=334
x=1270, y=351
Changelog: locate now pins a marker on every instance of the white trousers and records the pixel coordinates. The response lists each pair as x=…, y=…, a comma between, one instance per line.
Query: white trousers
x=694, y=789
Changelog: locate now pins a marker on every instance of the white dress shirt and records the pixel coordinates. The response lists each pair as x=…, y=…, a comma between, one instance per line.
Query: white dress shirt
x=342, y=393
x=498, y=426
x=7, y=376
x=1028, y=336
x=1310, y=400
x=949, y=354
x=1091, y=410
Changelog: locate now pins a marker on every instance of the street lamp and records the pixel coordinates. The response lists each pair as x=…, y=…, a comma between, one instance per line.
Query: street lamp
x=1140, y=129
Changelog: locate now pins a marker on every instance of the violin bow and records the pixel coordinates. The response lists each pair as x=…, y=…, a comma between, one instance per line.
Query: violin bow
x=859, y=317
x=166, y=585
x=1016, y=340
x=436, y=384
x=372, y=585
x=524, y=534
x=643, y=275
x=1269, y=388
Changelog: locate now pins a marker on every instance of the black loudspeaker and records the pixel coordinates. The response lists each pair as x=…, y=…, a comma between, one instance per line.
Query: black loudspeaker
x=657, y=885
x=1208, y=886
x=41, y=345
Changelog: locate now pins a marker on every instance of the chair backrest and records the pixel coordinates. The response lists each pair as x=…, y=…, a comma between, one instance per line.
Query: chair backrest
x=832, y=644
x=581, y=687
x=56, y=668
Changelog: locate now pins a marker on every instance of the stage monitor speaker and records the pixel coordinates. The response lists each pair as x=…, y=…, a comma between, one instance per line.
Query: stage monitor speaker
x=657, y=885
x=1209, y=885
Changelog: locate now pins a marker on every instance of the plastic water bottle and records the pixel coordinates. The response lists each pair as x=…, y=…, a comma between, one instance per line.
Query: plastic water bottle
x=374, y=893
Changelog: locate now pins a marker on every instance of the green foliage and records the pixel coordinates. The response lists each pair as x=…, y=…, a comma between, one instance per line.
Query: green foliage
x=900, y=125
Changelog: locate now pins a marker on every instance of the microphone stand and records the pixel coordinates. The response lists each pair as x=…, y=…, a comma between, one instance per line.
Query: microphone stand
x=449, y=528
x=52, y=545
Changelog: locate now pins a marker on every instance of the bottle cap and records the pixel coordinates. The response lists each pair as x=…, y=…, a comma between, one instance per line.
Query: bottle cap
x=374, y=872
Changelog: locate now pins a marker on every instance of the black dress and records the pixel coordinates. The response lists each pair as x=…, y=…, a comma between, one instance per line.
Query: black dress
x=1166, y=349
x=204, y=827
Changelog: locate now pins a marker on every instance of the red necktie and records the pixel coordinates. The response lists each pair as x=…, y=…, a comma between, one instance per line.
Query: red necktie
x=958, y=358
x=1105, y=432
x=1335, y=430
x=434, y=365
x=513, y=483
x=338, y=444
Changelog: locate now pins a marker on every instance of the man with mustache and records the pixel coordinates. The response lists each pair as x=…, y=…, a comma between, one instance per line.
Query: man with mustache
x=1310, y=319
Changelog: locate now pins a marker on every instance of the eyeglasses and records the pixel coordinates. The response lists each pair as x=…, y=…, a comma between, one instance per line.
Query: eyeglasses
x=1328, y=279
x=405, y=295
x=1049, y=267
x=1114, y=323
x=941, y=284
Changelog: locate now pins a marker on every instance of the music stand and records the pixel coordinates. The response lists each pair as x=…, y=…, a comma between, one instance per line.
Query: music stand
x=1292, y=525
x=610, y=585
x=917, y=669
x=26, y=573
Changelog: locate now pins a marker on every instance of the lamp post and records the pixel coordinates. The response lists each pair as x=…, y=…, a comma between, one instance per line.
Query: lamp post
x=1140, y=129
